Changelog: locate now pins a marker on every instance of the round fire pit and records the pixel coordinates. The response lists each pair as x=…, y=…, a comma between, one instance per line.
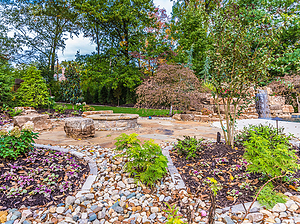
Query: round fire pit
x=106, y=122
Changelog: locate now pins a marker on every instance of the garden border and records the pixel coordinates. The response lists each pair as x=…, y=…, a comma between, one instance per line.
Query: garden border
x=92, y=165
x=176, y=177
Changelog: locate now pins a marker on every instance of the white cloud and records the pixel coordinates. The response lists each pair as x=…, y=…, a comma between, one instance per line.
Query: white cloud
x=84, y=46
x=81, y=44
x=166, y=4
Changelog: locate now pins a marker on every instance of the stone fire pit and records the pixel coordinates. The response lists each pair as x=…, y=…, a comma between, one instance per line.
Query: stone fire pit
x=106, y=122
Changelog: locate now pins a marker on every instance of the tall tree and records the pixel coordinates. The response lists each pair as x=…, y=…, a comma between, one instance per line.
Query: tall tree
x=240, y=56
x=285, y=15
x=189, y=26
x=122, y=33
x=8, y=45
x=41, y=27
x=91, y=20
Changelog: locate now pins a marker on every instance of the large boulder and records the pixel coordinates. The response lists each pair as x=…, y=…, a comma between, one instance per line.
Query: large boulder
x=40, y=121
x=287, y=109
x=187, y=117
x=79, y=127
x=275, y=107
x=177, y=117
x=277, y=100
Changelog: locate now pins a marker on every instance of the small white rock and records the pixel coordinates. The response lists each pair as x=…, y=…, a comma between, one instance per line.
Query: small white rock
x=161, y=197
x=279, y=207
x=154, y=209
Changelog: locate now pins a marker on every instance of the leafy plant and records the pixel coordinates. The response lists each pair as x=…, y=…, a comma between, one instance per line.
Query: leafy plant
x=33, y=91
x=234, y=193
x=246, y=186
x=14, y=112
x=79, y=106
x=60, y=108
x=145, y=161
x=189, y=146
x=268, y=152
x=75, y=113
x=172, y=217
x=269, y=198
x=16, y=142
x=51, y=102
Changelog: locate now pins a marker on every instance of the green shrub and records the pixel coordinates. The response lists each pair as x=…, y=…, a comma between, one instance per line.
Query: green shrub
x=6, y=84
x=60, y=108
x=268, y=152
x=145, y=161
x=33, y=91
x=189, y=146
x=269, y=198
x=16, y=142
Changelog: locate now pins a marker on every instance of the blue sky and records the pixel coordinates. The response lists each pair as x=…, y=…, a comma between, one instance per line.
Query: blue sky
x=84, y=46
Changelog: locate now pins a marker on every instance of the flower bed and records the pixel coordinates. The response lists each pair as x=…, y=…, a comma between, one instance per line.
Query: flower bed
x=42, y=177
x=224, y=164
x=261, y=153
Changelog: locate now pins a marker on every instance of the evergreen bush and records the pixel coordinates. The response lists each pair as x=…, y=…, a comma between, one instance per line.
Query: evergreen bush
x=33, y=91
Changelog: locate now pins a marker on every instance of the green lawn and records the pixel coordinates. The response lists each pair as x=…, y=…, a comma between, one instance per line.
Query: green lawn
x=129, y=110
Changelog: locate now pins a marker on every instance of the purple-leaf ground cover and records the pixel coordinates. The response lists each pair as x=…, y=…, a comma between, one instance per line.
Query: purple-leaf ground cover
x=42, y=177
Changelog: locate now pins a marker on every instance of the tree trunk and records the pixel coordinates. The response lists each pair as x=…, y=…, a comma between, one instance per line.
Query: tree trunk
x=298, y=104
x=97, y=39
x=126, y=34
x=212, y=208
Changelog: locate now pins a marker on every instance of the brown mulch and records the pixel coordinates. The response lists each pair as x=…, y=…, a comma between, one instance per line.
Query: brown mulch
x=43, y=177
x=224, y=172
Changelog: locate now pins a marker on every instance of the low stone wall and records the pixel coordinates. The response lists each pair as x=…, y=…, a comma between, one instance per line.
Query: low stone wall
x=106, y=122
x=40, y=121
x=209, y=111
x=87, y=113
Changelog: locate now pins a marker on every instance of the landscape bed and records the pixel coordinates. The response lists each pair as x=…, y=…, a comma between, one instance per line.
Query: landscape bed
x=43, y=177
x=228, y=167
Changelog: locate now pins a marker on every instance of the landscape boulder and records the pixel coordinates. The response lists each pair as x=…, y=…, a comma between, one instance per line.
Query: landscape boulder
x=40, y=121
x=79, y=128
x=187, y=117
x=177, y=117
x=287, y=109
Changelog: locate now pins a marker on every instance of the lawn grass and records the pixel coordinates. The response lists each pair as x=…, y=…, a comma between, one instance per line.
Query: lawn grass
x=131, y=110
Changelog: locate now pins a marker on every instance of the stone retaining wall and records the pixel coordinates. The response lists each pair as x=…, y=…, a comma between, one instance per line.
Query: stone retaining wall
x=209, y=111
